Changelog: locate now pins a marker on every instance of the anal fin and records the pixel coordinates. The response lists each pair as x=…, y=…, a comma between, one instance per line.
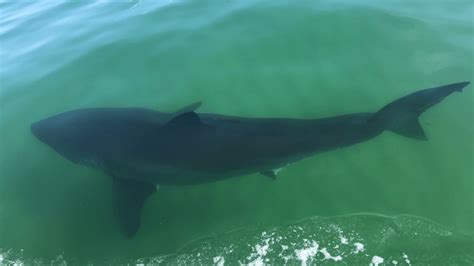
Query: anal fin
x=411, y=129
x=131, y=195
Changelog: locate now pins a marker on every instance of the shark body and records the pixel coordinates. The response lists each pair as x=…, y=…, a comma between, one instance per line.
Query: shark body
x=141, y=147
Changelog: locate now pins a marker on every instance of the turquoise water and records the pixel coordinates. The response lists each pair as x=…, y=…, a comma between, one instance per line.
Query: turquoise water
x=245, y=58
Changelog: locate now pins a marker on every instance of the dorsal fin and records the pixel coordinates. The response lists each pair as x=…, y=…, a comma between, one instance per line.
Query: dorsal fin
x=188, y=108
x=186, y=119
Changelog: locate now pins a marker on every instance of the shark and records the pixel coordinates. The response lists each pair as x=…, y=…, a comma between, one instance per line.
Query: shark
x=141, y=148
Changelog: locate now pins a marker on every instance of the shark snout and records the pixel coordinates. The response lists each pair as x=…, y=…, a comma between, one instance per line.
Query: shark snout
x=36, y=129
x=40, y=131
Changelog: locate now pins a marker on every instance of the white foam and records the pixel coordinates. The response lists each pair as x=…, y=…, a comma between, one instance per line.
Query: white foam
x=405, y=256
x=256, y=262
x=4, y=261
x=262, y=250
x=376, y=260
x=344, y=240
x=306, y=253
x=328, y=256
x=359, y=247
x=219, y=261
x=287, y=258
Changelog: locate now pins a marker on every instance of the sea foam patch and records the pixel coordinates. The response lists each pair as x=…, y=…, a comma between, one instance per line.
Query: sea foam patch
x=346, y=240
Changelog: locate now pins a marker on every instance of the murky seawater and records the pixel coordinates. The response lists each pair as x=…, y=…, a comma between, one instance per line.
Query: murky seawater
x=265, y=59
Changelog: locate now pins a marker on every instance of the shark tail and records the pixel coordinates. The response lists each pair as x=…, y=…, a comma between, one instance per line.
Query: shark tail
x=401, y=116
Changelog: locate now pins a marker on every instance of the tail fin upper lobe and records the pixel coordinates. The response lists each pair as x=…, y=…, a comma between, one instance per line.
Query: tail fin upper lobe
x=401, y=116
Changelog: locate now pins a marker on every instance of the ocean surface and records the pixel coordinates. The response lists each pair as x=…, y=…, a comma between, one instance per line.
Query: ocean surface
x=391, y=200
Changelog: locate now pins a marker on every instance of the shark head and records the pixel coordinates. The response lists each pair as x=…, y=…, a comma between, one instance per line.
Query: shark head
x=48, y=131
x=62, y=133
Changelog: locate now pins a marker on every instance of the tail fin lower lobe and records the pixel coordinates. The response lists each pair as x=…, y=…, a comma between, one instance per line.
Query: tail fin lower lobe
x=401, y=116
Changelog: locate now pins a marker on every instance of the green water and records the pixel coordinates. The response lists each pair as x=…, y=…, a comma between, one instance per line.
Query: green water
x=257, y=59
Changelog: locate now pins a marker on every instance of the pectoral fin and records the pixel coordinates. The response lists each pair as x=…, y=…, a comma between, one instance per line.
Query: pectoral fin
x=130, y=198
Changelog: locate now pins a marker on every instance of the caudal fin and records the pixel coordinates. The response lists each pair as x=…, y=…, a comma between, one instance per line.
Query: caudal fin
x=401, y=116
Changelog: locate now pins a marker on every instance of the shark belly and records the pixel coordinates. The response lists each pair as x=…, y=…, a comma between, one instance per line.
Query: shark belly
x=166, y=174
